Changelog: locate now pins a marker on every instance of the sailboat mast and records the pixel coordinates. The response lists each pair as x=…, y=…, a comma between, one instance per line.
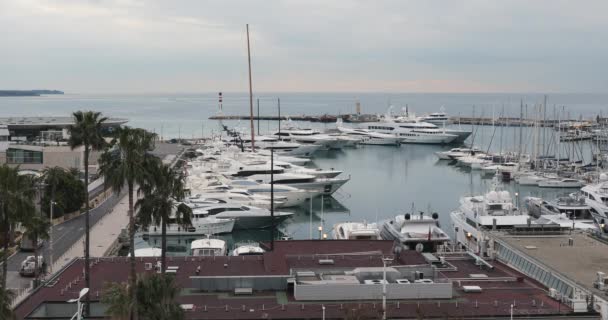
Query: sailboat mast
x=250, y=92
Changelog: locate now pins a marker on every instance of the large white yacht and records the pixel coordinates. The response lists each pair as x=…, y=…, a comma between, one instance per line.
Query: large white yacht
x=247, y=217
x=493, y=210
x=247, y=249
x=435, y=117
x=368, y=136
x=356, y=231
x=290, y=196
x=307, y=136
x=456, y=153
x=200, y=225
x=412, y=132
x=596, y=196
x=208, y=247
x=568, y=212
x=416, y=231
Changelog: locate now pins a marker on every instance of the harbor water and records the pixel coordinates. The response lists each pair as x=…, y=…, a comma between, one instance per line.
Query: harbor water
x=385, y=181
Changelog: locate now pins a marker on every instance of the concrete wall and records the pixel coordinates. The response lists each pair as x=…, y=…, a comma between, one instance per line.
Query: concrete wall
x=57, y=156
x=230, y=283
x=333, y=292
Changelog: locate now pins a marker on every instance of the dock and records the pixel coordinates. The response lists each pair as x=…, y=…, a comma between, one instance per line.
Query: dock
x=359, y=118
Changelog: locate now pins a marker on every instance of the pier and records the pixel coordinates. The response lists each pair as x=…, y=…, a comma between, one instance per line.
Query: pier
x=359, y=118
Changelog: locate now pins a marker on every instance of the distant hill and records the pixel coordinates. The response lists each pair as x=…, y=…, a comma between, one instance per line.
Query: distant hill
x=27, y=93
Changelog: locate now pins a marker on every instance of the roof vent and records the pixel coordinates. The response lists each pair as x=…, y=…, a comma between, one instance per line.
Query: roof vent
x=326, y=261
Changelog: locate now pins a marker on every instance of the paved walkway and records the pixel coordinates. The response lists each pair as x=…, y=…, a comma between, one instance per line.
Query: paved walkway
x=103, y=234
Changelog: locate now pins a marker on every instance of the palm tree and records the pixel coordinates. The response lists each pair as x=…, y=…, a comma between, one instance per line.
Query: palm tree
x=37, y=227
x=127, y=163
x=116, y=296
x=155, y=299
x=16, y=205
x=52, y=177
x=6, y=300
x=87, y=132
x=162, y=192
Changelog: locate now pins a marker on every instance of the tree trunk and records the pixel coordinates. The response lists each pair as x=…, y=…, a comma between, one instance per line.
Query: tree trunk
x=163, y=254
x=35, y=242
x=7, y=239
x=133, y=275
x=87, y=275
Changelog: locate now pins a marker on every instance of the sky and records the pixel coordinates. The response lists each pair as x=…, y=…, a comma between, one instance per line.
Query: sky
x=172, y=46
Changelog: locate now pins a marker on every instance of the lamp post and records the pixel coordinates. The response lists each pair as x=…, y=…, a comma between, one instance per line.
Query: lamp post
x=320, y=232
x=385, y=261
x=78, y=314
x=511, y=311
x=53, y=203
x=323, y=309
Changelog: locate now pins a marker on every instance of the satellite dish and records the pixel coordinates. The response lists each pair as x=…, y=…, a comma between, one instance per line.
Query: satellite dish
x=419, y=247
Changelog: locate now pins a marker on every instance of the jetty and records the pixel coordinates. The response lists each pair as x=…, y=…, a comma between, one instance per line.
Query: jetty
x=358, y=118
x=311, y=118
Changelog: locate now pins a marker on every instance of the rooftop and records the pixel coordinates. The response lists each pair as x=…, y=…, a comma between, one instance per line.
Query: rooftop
x=578, y=262
x=501, y=286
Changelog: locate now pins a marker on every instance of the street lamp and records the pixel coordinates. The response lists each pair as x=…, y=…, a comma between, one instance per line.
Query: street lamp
x=323, y=308
x=320, y=231
x=385, y=261
x=511, y=311
x=53, y=203
x=78, y=314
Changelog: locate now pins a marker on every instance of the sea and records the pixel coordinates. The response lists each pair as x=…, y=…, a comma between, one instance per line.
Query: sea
x=384, y=181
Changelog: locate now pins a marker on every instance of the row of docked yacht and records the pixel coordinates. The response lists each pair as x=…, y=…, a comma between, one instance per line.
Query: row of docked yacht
x=230, y=188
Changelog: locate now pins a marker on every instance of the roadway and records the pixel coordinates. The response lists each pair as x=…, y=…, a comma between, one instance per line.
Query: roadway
x=65, y=235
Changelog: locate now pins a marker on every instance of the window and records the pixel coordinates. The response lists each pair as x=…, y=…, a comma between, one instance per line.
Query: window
x=20, y=156
x=215, y=210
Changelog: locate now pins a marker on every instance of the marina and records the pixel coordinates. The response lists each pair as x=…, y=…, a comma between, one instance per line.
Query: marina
x=368, y=182
x=315, y=160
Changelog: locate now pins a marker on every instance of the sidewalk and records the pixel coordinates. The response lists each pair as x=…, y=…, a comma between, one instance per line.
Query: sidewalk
x=103, y=235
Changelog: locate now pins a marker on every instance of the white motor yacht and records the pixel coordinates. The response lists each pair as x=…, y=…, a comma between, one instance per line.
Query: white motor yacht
x=412, y=132
x=477, y=214
x=247, y=249
x=356, y=231
x=372, y=137
x=290, y=196
x=307, y=136
x=246, y=217
x=560, y=183
x=568, y=212
x=596, y=196
x=527, y=178
x=303, y=181
x=475, y=162
x=416, y=231
x=208, y=247
x=456, y=153
x=435, y=117
x=199, y=225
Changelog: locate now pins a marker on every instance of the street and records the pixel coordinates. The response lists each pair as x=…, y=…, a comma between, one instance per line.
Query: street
x=64, y=236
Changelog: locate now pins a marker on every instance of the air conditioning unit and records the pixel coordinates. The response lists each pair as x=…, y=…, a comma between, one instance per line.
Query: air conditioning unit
x=553, y=293
x=326, y=261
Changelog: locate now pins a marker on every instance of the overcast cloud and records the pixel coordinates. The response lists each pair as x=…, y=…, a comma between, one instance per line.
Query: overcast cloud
x=140, y=46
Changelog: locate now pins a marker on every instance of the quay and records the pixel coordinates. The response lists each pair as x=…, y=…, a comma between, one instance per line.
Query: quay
x=359, y=118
